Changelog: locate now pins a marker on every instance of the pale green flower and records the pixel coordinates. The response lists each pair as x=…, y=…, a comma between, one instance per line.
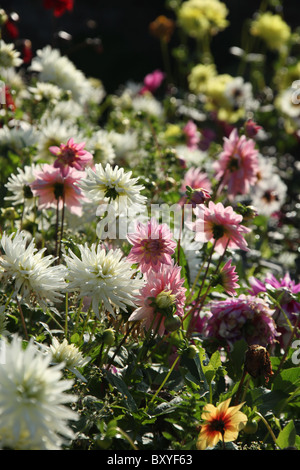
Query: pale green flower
x=200, y=17
x=9, y=56
x=272, y=29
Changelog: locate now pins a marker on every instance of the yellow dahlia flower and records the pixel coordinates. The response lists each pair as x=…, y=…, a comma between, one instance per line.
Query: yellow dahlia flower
x=200, y=76
x=272, y=29
x=221, y=423
x=201, y=17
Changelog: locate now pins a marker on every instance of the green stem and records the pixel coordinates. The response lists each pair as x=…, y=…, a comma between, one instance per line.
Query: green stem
x=61, y=227
x=66, y=314
x=23, y=320
x=237, y=396
x=120, y=345
x=195, y=282
x=166, y=59
x=54, y=319
x=268, y=427
x=163, y=382
x=88, y=316
x=127, y=437
x=57, y=229
x=78, y=314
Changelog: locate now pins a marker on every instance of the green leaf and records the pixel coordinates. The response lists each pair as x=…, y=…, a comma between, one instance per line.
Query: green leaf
x=266, y=400
x=166, y=407
x=287, y=437
x=287, y=380
x=120, y=385
x=75, y=338
x=185, y=273
x=210, y=370
x=236, y=359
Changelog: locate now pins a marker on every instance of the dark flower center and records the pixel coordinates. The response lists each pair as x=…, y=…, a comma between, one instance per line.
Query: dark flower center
x=218, y=231
x=217, y=425
x=58, y=190
x=111, y=193
x=233, y=164
x=152, y=246
x=68, y=155
x=270, y=196
x=27, y=192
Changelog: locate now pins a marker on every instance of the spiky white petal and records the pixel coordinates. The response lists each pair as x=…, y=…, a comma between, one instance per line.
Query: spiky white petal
x=29, y=270
x=33, y=415
x=103, y=277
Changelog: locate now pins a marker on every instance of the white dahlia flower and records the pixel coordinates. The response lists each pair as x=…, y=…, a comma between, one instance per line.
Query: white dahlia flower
x=29, y=270
x=33, y=411
x=104, y=277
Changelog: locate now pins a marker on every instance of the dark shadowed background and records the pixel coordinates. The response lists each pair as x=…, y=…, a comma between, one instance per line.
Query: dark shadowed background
x=110, y=39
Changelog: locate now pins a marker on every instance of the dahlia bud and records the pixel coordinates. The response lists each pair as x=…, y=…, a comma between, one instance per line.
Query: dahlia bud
x=257, y=362
x=3, y=17
x=251, y=128
x=9, y=213
x=162, y=28
x=197, y=196
x=248, y=212
x=108, y=337
x=172, y=323
x=191, y=351
x=165, y=299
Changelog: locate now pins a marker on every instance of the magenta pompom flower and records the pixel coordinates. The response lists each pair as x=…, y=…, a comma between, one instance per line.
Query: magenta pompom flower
x=219, y=225
x=71, y=155
x=251, y=128
x=244, y=317
x=153, y=246
x=285, y=290
x=152, y=81
x=54, y=190
x=161, y=298
x=192, y=135
x=237, y=167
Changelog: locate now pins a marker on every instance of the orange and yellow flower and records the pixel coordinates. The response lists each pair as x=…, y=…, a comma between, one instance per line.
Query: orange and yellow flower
x=220, y=423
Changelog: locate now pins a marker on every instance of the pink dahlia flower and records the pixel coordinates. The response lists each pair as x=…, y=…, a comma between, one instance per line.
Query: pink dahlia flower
x=71, y=155
x=238, y=165
x=153, y=246
x=244, y=317
x=162, y=296
x=207, y=136
x=251, y=128
x=219, y=225
x=284, y=290
x=192, y=135
x=195, y=178
x=52, y=189
x=227, y=278
x=197, y=187
x=152, y=81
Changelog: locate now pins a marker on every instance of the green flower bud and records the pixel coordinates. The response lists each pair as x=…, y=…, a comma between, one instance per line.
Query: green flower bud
x=9, y=213
x=191, y=351
x=251, y=427
x=172, y=323
x=108, y=337
x=3, y=17
x=165, y=299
